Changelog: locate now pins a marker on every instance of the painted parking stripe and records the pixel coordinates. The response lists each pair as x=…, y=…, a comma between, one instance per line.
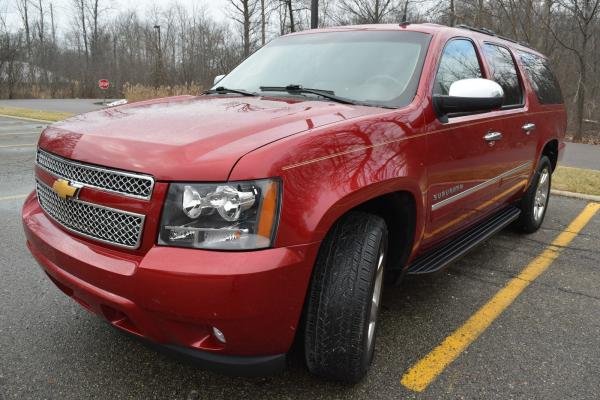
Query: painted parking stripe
x=6, y=146
x=426, y=370
x=15, y=197
x=45, y=121
x=23, y=133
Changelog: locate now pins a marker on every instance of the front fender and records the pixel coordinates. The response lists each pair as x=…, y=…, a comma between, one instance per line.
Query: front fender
x=325, y=174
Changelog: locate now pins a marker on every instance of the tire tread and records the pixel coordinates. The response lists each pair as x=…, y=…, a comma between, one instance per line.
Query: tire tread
x=341, y=287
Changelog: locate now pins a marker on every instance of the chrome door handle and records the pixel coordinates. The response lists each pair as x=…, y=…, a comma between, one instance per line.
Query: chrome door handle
x=492, y=136
x=528, y=128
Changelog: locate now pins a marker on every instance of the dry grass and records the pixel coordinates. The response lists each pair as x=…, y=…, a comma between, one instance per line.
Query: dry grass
x=577, y=180
x=34, y=114
x=141, y=92
x=588, y=138
x=68, y=90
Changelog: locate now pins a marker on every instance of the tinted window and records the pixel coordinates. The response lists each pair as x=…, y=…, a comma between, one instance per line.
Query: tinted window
x=459, y=61
x=504, y=72
x=379, y=68
x=542, y=79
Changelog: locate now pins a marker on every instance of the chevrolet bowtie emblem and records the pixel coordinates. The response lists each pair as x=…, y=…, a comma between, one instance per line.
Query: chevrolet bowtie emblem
x=64, y=189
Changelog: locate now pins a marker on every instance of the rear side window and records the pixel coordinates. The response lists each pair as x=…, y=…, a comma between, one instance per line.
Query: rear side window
x=459, y=61
x=504, y=72
x=542, y=79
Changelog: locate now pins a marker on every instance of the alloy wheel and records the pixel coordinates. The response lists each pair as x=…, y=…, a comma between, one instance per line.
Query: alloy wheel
x=541, y=195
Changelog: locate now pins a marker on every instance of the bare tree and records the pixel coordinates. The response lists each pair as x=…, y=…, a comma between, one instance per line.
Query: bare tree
x=23, y=7
x=11, y=73
x=451, y=13
x=583, y=14
x=244, y=12
x=290, y=8
x=52, y=25
x=368, y=11
x=314, y=14
x=81, y=17
x=263, y=23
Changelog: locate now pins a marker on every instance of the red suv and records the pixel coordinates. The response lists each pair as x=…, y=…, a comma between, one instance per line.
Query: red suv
x=274, y=206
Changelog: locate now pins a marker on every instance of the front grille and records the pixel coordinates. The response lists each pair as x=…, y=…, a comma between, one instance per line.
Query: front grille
x=105, y=224
x=111, y=180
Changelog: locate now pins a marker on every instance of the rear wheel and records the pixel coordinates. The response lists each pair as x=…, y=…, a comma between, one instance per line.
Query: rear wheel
x=344, y=298
x=535, y=202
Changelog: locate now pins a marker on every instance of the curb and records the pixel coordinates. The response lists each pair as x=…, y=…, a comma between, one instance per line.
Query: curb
x=27, y=119
x=575, y=195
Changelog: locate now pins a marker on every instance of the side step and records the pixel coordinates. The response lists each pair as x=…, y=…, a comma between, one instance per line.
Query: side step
x=438, y=258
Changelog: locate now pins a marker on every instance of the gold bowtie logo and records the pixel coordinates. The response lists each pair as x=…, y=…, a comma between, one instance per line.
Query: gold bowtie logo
x=64, y=189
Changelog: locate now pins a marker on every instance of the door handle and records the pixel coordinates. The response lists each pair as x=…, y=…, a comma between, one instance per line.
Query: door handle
x=492, y=137
x=528, y=128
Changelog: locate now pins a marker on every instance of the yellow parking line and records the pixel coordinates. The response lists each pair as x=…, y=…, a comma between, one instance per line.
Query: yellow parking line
x=420, y=375
x=18, y=145
x=15, y=197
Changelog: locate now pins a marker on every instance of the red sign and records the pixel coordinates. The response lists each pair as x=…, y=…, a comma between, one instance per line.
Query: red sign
x=103, y=84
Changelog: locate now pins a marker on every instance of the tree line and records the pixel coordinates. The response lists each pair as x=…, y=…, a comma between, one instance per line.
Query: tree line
x=175, y=45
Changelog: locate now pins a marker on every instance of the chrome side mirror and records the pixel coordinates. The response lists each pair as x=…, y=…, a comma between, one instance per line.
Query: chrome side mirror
x=469, y=95
x=476, y=87
x=218, y=78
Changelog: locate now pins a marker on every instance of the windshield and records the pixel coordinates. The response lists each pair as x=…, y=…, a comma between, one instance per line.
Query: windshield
x=373, y=67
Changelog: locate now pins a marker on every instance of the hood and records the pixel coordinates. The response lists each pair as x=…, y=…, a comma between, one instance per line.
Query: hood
x=188, y=138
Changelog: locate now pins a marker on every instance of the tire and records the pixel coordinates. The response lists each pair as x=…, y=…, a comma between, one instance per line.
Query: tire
x=344, y=297
x=535, y=202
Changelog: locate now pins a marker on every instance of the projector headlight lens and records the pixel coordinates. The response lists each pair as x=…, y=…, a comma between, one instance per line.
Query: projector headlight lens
x=229, y=216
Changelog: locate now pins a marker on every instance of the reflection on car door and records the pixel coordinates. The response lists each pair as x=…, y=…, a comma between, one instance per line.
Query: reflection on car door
x=469, y=153
x=516, y=119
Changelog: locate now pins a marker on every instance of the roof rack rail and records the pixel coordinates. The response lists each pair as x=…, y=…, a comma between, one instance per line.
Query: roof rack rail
x=480, y=30
x=508, y=39
x=492, y=33
x=522, y=43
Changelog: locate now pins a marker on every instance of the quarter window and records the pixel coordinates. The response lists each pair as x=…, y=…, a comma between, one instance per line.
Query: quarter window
x=504, y=72
x=542, y=79
x=459, y=61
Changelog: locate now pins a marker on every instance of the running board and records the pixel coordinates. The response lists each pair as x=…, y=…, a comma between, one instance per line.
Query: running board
x=435, y=260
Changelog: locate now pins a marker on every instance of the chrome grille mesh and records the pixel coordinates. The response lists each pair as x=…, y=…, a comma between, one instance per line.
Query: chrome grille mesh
x=101, y=223
x=125, y=183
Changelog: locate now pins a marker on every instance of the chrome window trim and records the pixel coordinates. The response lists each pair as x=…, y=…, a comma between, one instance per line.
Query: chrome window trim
x=116, y=210
x=95, y=168
x=481, y=186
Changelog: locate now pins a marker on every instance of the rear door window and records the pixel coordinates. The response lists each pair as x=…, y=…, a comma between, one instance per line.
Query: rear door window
x=504, y=72
x=459, y=61
x=542, y=79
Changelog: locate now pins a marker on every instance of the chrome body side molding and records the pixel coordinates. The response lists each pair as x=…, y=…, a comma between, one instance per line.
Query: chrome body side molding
x=481, y=186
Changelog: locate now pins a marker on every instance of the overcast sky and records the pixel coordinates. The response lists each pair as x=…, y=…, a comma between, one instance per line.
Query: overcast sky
x=64, y=14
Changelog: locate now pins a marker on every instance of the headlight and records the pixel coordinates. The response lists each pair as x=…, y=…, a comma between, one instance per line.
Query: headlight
x=228, y=216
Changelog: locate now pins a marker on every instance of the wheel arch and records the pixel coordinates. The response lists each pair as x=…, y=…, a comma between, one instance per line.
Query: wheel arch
x=402, y=209
x=396, y=206
x=550, y=150
x=398, y=210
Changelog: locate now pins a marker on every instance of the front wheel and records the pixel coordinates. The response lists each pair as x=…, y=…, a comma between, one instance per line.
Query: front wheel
x=344, y=298
x=535, y=202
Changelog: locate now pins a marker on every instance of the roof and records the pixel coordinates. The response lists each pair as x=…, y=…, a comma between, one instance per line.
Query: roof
x=433, y=29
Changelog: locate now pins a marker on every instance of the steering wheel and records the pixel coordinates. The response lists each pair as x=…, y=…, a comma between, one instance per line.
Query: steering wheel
x=383, y=78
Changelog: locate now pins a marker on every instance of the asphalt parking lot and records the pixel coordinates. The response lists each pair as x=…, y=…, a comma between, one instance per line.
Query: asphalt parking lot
x=545, y=345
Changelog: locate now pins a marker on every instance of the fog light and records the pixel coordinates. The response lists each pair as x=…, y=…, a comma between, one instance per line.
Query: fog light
x=219, y=335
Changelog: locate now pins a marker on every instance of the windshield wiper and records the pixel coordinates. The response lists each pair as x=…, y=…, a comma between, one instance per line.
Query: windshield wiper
x=298, y=89
x=222, y=90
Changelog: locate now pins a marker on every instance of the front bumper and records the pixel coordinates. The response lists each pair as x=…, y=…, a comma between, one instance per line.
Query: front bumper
x=174, y=296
